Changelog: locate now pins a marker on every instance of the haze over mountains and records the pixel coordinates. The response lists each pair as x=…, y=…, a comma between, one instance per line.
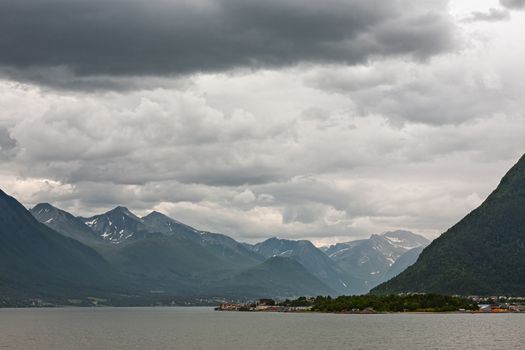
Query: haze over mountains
x=120, y=255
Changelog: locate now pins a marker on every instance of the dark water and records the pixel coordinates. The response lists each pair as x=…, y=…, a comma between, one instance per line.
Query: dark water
x=203, y=328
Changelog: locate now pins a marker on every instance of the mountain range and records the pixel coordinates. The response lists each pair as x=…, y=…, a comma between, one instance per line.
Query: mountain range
x=49, y=253
x=52, y=254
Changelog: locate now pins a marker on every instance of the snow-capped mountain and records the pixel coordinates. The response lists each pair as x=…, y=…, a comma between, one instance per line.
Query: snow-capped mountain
x=117, y=225
x=372, y=261
x=391, y=245
x=405, y=240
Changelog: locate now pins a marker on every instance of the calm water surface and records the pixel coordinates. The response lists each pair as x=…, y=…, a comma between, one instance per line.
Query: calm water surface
x=203, y=328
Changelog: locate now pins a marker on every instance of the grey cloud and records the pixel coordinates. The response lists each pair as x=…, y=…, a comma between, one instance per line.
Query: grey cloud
x=440, y=94
x=226, y=173
x=309, y=190
x=513, y=4
x=64, y=78
x=146, y=137
x=493, y=15
x=305, y=213
x=261, y=154
x=82, y=39
x=6, y=142
x=7, y=145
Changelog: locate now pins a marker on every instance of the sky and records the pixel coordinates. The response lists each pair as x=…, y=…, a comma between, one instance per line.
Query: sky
x=322, y=120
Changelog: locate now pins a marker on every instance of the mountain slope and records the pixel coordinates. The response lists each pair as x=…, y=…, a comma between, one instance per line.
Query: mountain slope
x=277, y=277
x=227, y=248
x=222, y=246
x=171, y=264
x=64, y=223
x=403, y=262
x=314, y=260
x=180, y=266
x=37, y=261
x=482, y=254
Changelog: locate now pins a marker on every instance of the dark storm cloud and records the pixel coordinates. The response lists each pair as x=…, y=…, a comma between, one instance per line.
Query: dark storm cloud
x=513, y=4
x=135, y=37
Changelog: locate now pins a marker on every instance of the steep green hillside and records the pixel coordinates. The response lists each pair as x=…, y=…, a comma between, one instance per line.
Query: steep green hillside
x=37, y=261
x=483, y=254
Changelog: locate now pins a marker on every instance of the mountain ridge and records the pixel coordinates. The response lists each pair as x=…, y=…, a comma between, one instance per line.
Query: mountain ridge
x=326, y=263
x=179, y=260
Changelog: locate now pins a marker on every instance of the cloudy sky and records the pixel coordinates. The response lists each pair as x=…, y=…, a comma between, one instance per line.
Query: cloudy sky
x=326, y=120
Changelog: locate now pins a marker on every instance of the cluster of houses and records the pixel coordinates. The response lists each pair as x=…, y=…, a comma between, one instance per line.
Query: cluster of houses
x=262, y=305
x=499, y=304
x=497, y=308
x=493, y=304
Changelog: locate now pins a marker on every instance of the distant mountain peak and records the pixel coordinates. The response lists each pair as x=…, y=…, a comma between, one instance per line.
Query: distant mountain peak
x=44, y=207
x=63, y=222
x=405, y=239
x=156, y=215
x=156, y=212
x=117, y=225
x=161, y=223
x=285, y=240
x=121, y=210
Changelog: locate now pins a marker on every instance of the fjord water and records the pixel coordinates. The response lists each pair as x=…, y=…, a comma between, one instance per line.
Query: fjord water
x=203, y=328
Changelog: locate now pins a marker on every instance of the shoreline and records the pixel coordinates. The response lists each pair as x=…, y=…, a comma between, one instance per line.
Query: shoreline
x=215, y=308
x=380, y=313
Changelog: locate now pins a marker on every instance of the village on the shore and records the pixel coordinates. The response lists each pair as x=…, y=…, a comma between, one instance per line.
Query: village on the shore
x=266, y=305
x=491, y=304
